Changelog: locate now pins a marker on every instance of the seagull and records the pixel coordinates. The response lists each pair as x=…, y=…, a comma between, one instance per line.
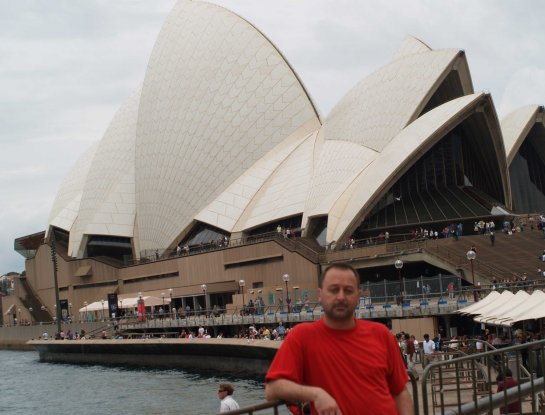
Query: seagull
x=397, y=198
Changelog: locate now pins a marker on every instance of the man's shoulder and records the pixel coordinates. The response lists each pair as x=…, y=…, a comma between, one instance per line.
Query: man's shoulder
x=374, y=326
x=306, y=328
x=318, y=327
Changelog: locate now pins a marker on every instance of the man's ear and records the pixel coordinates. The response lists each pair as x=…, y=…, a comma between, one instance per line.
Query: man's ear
x=319, y=294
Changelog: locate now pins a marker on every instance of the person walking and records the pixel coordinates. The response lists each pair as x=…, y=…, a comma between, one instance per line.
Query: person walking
x=450, y=288
x=409, y=350
x=340, y=364
x=228, y=403
x=428, y=348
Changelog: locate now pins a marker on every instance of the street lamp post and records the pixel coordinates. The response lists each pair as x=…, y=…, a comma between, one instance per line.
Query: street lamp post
x=52, y=245
x=70, y=311
x=203, y=288
x=399, y=264
x=286, y=279
x=102, y=302
x=170, y=303
x=19, y=318
x=252, y=309
x=241, y=284
x=85, y=305
x=30, y=309
x=471, y=255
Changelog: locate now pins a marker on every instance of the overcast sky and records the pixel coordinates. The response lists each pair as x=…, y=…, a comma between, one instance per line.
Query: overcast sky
x=67, y=65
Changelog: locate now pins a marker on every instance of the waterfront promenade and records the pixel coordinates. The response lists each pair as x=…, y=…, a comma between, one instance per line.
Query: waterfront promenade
x=229, y=322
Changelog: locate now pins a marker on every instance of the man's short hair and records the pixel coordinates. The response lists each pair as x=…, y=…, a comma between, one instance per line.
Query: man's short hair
x=342, y=267
x=227, y=387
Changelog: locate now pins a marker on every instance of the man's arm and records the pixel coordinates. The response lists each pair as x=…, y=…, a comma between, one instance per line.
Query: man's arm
x=404, y=403
x=289, y=391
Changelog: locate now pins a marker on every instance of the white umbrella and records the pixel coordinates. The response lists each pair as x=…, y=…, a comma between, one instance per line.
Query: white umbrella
x=131, y=302
x=95, y=306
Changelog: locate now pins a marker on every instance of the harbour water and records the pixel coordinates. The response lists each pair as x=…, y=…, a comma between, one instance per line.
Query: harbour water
x=29, y=386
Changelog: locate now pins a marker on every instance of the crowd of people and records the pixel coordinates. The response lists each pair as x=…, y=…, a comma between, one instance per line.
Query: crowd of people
x=454, y=230
x=265, y=332
x=19, y=322
x=287, y=232
x=68, y=335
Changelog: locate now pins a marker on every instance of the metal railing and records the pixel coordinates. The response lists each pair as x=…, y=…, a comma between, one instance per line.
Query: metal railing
x=219, y=317
x=152, y=255
x=276, y=405
x=423, y=293
x=466, y=383
x=457, y=383
x=250, y=410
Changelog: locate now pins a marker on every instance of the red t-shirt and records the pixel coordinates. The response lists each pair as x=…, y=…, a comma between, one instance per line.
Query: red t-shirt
x=361, y=367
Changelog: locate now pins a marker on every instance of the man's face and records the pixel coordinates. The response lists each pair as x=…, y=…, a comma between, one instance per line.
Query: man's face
x=222, y=393
x=339, y=294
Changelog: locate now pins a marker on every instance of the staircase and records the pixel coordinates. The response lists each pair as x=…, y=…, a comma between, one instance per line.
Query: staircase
x=511, y=255
x=31, y=300
x=300, y=245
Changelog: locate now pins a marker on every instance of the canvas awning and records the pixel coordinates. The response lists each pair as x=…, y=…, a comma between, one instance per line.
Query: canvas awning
x=475, y=307
x=489, y=308
x=507, y=308
x=532, y=308
x=512, y=304
x=96, y=306
x=131, y=302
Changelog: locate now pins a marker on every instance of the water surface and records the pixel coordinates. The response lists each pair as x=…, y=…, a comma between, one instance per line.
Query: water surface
x=30, y=387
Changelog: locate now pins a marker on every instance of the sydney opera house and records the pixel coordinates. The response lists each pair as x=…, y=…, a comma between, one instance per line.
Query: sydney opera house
x=222, y=147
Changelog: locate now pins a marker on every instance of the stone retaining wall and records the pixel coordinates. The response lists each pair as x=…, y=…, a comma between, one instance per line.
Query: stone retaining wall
x=233, y=356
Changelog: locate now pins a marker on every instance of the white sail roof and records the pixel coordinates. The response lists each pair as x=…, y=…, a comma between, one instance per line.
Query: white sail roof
x=107, y=204
x=515, y=128
x=224, y=133
x=217, y=97
x=67, y=202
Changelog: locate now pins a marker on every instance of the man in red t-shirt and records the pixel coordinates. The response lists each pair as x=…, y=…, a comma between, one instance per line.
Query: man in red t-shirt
x=340, y=364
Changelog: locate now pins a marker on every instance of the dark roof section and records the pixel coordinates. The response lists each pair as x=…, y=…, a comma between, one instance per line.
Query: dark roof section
x=27, y=245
